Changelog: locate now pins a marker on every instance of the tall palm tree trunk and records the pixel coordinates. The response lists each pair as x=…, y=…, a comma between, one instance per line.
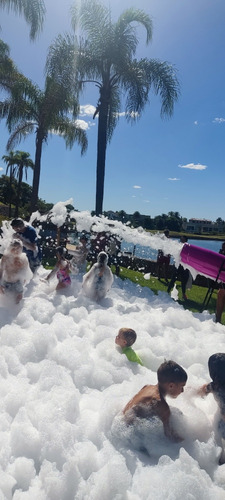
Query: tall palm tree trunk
x=37, y=171
x=101, y=156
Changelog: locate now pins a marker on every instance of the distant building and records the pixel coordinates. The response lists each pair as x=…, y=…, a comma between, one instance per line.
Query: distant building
x=200, y=226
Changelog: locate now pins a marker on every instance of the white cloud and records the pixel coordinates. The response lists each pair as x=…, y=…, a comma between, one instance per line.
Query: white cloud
x=173, y=179
x=196, y=122
x=137, y=187
x=146, y=201
x=1, y=169
x=193, y=166
x=84, y=125
x=80, y=123
x=219, y=120
x=87, y=110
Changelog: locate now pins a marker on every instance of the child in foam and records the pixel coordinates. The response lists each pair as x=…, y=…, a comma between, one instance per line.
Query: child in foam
x=150, y=401
x=80, y=252
x=14, y=270
x=98, y=281
x=216, y=364
x=61, y=270
x=28, y=235
x=125, y=339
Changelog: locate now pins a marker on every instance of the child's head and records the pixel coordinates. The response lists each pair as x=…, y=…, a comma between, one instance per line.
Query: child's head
x=126, y=337
x=171, y=378
x=102, y=258
x=60, y=251
x=83, y=239
x=216, y=366
x=16, y=247
x=18, y=225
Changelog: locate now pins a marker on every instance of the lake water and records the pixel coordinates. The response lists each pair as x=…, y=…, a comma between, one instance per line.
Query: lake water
x=149, y=253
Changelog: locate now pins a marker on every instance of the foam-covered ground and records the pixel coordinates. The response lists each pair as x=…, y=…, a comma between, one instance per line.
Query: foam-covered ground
x=63, y=384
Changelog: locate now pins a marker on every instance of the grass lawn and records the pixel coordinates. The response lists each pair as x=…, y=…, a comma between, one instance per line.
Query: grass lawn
x=195, y=296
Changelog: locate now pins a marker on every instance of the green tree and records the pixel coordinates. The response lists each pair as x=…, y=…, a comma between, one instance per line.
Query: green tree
x=17, y=162
x=7, y=191
x=10, y=167
x=8, y=71
x=32, y=10
x=105, y=56
x=30, y=110
x=23, y=162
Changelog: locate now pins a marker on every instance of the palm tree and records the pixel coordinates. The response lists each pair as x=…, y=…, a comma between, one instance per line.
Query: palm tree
x=32, y=10
x=105, y=56
x=30, y=109
x=17, y=162
x=23, y=162
x=10, y=162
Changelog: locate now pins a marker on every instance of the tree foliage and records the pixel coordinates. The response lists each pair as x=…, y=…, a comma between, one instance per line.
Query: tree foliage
x=104, y=55
x=31, y=110
x=32, y=10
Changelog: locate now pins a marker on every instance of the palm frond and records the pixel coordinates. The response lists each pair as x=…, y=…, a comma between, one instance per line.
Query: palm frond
x=72, y=132
x=61, y=64
x=33, y=11
x=19, y=133
x=162, y=77
x=135, y=84
x=94, y=21
x=126, y=32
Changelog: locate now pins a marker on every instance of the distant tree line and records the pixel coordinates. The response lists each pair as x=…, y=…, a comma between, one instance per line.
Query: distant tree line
x=172, y=221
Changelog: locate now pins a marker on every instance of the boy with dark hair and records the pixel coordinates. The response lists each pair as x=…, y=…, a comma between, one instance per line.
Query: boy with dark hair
x=150, y=401
x=125, y=339
x=29, y=238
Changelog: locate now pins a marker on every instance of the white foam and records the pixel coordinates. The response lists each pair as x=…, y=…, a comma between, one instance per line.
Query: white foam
x=64, y=384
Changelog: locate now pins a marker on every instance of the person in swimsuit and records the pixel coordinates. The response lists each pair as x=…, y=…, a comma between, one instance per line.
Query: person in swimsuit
x=150, y=401
x=61, y=270
x=216, y=364
x=98, y=281
x=14, y=270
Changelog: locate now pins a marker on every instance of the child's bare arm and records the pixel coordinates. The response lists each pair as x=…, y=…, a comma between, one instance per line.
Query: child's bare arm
x=164, y=414
x=52, y=273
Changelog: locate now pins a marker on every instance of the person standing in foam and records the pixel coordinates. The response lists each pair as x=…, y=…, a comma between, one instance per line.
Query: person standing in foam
x=14, y=270
x=98, y=281
x=28, y=235
x=61, y=270
x=216, y=365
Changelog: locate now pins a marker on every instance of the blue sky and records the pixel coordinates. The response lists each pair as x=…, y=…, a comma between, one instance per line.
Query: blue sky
x=156, y=165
